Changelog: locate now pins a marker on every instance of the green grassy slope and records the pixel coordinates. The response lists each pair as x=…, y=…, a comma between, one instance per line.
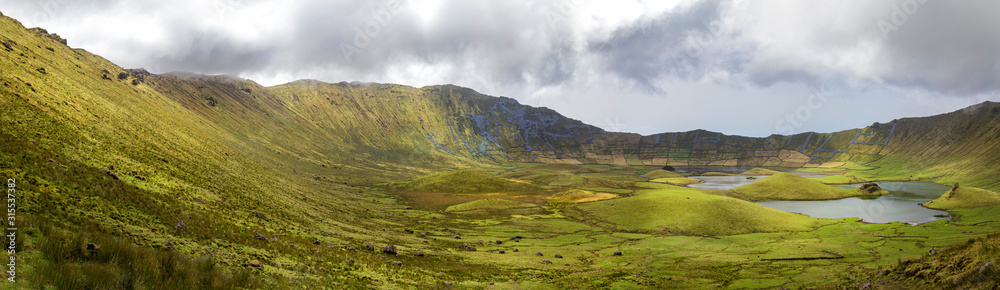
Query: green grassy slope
x=955, y=147
x=465, y=181
x=971, y=265
x=965, y=197
x=760, y=171
x=681, y=210
x=790, y=186
x=202, y=163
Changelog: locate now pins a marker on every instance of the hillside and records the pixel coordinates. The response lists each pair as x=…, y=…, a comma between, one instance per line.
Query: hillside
x=964, y=197
x=137, y=180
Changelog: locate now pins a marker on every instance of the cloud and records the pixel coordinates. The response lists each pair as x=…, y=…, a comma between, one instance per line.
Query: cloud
x=562, y=52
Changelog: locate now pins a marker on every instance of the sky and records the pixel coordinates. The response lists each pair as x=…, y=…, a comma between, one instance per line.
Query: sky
x=751, y=68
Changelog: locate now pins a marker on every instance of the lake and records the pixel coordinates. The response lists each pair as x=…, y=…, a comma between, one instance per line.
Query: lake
x=902, y=204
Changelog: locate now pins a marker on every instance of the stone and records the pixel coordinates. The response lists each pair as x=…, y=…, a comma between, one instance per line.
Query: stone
x=389, y=249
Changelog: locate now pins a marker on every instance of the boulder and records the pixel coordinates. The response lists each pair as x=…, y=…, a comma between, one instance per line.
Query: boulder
x=618, y=253
x=260, y=237
x=558, y=256
x=389, y=249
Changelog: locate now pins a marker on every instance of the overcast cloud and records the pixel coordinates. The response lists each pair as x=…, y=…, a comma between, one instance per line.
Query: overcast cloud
x=741, y=67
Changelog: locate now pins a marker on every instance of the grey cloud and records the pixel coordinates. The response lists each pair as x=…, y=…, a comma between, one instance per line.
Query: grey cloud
x=676, y=43
x=949, y=47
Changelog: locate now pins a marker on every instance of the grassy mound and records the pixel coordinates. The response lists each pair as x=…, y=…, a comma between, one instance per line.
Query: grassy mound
x=682, y=181
x=464, y=181
x=579, y=196
x=790, y=186
x=964, y=197
x=681, y=210
x=494, y=206
x=660, y=173
x=713, y=173
x=760, y=171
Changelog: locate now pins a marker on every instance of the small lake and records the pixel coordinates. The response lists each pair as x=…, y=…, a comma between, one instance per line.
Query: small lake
x=902, y=204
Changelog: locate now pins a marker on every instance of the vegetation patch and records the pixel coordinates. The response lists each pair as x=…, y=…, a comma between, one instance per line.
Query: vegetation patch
x=964, y=197
x=790, y=186
x=465, y=181
x=495, y=206
x=681, y=210
x=660, y=173
x=760, y=171
x=713, y=173
x=682, y=181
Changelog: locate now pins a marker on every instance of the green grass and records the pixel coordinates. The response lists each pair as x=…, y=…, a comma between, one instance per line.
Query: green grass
x=717, y=174
x=790, y=186
x=681, y=210
x=965, y=197
x=493, y=206
x=969, y=265
x=682, y=181
x=660, y=173
x=464, y=181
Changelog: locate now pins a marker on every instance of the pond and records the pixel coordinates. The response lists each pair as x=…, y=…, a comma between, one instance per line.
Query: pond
x=902, y=204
